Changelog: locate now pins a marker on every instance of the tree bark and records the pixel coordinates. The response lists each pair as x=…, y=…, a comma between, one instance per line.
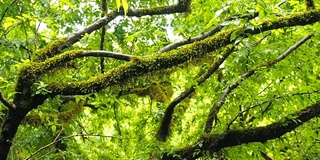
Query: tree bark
x=9, y=130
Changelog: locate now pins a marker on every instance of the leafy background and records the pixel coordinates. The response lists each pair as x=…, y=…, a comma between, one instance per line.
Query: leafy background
x=122, y=125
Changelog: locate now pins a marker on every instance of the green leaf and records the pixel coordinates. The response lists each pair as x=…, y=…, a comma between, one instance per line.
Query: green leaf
x=118, y=3
x=53, y=128
x=125, y=6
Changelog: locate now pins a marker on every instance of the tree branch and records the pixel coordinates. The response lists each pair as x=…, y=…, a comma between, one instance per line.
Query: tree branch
x=212, y=118
x=6, y=10
x=202, y=36
x=269, y=101
x=215, y=142
x=62, y=44
x=104, y=9
x=6, y=102
x=56, y=140
x=213, y=31
x=115, y=13
x=109, y=54
x=164, y=128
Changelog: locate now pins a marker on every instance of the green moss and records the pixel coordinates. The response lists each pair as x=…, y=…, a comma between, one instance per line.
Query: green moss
x=33, y=71
x=67, y=116
x=48, y=51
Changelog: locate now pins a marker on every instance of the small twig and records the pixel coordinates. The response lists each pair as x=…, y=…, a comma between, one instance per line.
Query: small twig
x=261, y=39
x=6, y=102
x=41, y=157
x=6, y=10
x=281, y=3
x=67, y=137
x=212, y=117
x=246, y=110
x=58, y=134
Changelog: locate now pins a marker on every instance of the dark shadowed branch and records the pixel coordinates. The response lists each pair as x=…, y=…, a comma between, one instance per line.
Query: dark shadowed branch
x=270, y=103
x=164, y=128
x=6, y=102
x=104, y=9
x=215, y=142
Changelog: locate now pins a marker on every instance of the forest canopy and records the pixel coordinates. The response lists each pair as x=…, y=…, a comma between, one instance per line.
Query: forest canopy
x=174, y=79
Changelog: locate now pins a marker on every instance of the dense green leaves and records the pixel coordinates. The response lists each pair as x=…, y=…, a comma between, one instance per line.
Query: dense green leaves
x=121, y=120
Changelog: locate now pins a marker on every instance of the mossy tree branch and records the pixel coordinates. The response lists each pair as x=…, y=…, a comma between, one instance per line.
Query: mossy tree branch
x=182, y=55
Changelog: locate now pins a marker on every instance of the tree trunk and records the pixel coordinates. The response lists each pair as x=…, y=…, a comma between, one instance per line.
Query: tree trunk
x=9, y=130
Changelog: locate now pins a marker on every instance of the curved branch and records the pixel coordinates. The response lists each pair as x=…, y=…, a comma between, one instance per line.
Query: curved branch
x=212, y=118
x=6, y=102
x=115, y=13
x=60, y=45
x=215, y=142
x=56, y=140
x=164, y=128
x=212, y=31
x=202, y=36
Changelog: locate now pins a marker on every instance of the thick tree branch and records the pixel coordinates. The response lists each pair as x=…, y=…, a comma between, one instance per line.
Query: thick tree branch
x=215, y=142
x=33, y=71
x=172, y=58
x=212, y=118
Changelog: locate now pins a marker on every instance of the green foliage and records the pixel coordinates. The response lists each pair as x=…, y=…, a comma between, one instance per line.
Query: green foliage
x=125, y=117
